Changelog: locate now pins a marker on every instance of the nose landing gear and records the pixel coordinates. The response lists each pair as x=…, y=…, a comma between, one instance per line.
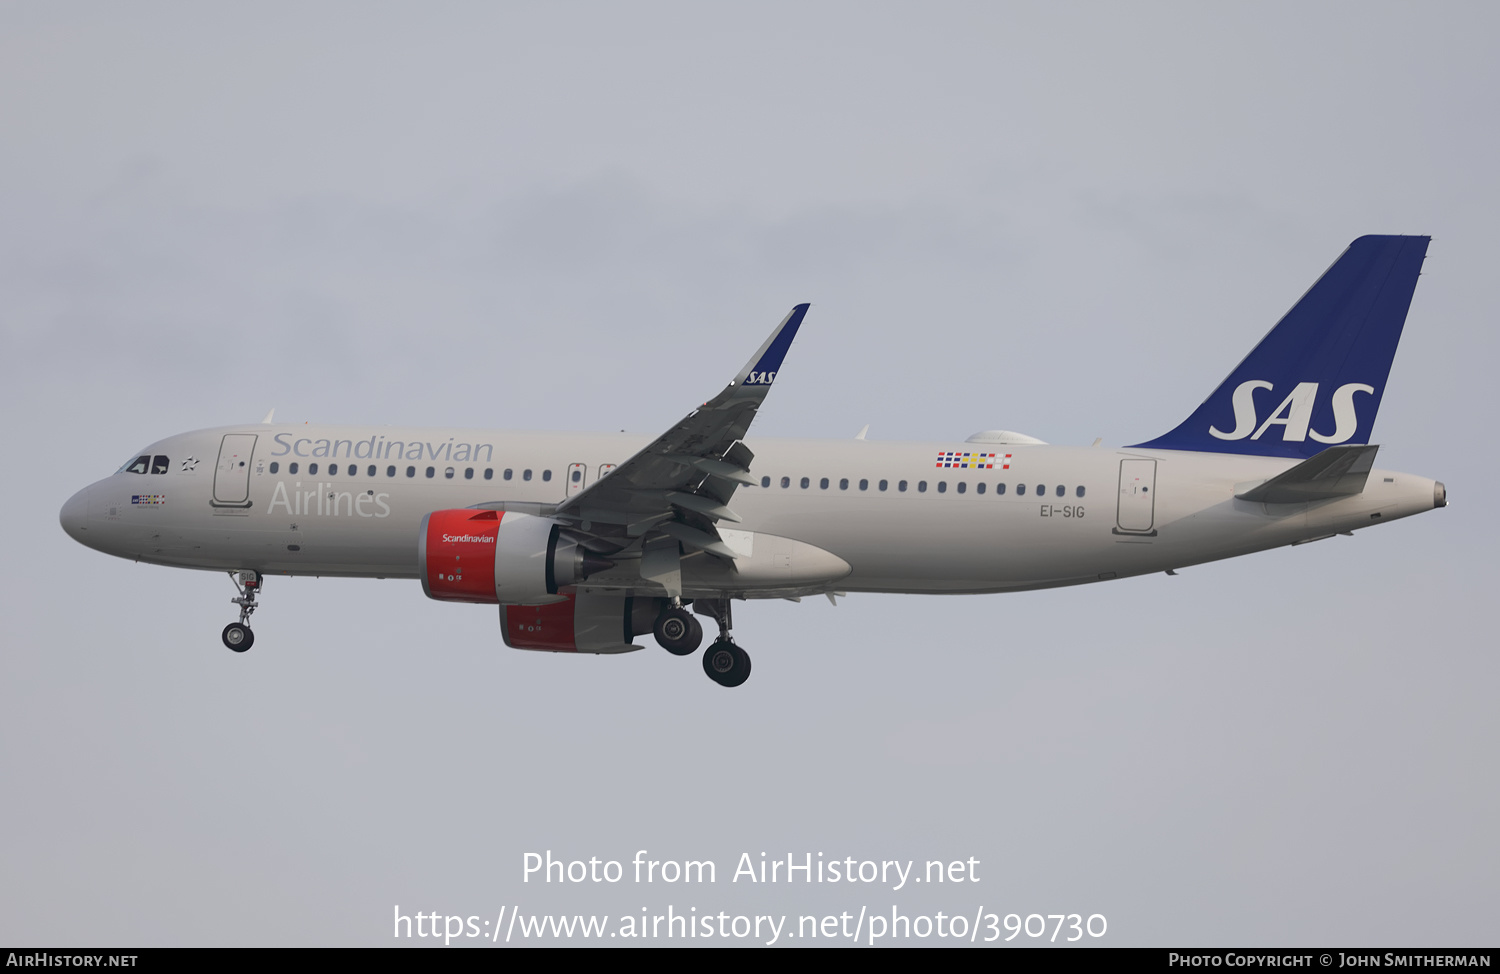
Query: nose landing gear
x=237, y=635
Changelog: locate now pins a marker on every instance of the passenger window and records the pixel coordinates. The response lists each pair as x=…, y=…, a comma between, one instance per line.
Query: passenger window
x=468, y=473
x=333, y=470
x=489, y=473
x=371, y=471
x=901, y=486
x=1041, y=490
x=159, y=464
x=411, y=471
x=138, y=465
x=390, y=471
x=823, y=483
x=962, y=486
x=507, y=473
x=312, y=469
x=577, y=476
x=525, y=474
x=275, y=466
x=448, y=472
x=844, y=484
x=883, y=484
x=979, y=487
x=291, y=467
x=921, y=486
x=1020, y=490
x=546, y=475
x=1080, y=490
x=430, y=472
x=999, y=489
x=786, y=481
x=864, y=484
x=1062, y=491
x=942, y=486
x=765, y=481
x=805, y=482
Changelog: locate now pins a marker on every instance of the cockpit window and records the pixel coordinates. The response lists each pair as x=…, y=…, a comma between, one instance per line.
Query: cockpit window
x=159, y=464
x=138, y=465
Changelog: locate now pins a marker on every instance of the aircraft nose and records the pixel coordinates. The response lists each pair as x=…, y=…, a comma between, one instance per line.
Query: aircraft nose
x=75, y=515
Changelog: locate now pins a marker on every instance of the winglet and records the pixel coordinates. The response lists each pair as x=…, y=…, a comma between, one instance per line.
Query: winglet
x=764, y=364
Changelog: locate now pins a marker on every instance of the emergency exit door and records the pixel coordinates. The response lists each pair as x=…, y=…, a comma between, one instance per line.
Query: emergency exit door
x=1136, y=512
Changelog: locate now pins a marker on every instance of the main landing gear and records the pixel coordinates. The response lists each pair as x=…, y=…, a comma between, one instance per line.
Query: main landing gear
x=725, y=663
x=237, y=635
x=679, y=633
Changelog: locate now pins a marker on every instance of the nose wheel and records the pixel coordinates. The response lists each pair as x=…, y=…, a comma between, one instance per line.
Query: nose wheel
x=238, y=635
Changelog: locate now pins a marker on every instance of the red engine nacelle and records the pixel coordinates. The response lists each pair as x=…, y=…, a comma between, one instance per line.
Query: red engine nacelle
x=585, y=623
x=456, y=550
x=490, y=556
x=523, y=562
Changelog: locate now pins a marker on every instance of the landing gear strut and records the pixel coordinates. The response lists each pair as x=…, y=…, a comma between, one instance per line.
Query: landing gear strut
x=237, y=635
x=677, y=631
x=724, y=662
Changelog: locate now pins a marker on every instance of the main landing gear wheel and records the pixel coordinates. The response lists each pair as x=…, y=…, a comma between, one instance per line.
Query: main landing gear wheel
x=238, y=637
x=726, y=664
x=677, y=631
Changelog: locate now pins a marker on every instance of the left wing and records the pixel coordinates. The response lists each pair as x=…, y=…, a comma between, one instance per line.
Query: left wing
x=681, y=484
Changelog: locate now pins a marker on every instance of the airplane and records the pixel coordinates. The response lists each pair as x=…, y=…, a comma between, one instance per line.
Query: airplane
x=586, y=541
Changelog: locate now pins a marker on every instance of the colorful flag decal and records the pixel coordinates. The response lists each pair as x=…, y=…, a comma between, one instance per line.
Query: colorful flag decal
x=971, y=461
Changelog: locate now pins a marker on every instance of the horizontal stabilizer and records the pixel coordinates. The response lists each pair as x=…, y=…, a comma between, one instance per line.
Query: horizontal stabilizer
x=1338, y=471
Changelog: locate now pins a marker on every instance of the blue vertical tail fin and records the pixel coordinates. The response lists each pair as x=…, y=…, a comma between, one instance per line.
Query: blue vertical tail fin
x=1317, y=378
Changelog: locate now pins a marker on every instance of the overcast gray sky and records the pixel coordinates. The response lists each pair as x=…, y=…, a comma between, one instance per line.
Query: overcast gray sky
x=1066, y=219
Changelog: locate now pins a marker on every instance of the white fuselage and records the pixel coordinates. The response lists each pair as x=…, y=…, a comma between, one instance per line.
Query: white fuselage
x=232, y=499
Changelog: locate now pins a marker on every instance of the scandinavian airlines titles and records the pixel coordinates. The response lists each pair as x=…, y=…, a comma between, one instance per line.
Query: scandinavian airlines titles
x=322, y=500
x=379, y=448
